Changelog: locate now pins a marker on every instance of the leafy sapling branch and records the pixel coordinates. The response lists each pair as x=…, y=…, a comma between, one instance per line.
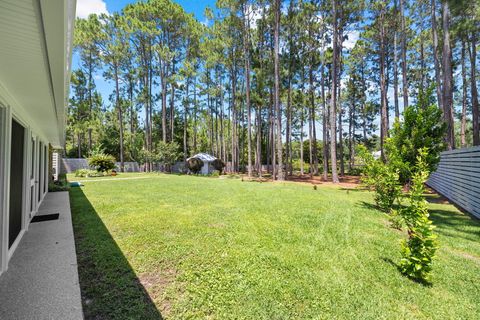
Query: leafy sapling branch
x=420, y=247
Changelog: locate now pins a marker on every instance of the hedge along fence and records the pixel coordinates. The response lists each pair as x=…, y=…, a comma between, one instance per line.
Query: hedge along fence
x=458, y=178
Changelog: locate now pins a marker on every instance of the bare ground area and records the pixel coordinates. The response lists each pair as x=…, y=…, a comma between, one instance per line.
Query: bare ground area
x=345, y=181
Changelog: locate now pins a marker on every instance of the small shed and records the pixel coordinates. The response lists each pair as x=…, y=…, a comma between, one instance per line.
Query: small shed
x=207, y=160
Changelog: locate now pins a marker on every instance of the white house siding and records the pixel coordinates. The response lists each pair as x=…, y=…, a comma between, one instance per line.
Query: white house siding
x=34, y=178
x=35, y=54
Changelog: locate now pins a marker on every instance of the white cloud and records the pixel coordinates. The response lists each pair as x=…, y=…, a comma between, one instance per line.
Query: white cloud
x=87, y=7
x=352, y=39
x=255, y=13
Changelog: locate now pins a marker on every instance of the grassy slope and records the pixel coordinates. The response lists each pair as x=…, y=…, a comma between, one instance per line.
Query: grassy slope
x=214, y=248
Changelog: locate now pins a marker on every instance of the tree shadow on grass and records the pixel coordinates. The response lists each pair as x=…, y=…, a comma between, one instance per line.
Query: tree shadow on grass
x=371, y=206
x=460, y=224
x=109, y=286
x=448, y=221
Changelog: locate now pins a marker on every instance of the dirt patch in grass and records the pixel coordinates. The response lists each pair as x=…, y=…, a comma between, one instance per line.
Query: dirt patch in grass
x=345, y=181
x=463, y=254
x=217, y=225
x=433, y=197
x=156, y=283
x=349, y=182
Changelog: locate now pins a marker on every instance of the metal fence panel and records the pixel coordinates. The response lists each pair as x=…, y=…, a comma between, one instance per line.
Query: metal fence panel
x=458, y=178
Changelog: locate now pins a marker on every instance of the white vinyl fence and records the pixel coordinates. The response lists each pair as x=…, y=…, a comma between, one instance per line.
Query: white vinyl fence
x=458, y=178
x=69, y=165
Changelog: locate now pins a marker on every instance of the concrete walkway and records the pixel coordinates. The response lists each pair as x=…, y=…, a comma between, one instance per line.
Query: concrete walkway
x=42, y=278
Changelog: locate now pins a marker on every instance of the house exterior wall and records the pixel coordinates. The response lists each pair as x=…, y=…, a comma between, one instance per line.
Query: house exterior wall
x=34, y=177
x=34, y=81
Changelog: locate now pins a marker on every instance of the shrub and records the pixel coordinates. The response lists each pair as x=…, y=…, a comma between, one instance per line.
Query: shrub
x=82, y=173
x=59, y=185
x=396, y=219
x=101, y=162
x=167, y=153
x=382, y=178
x=194, y=165
x=296, y=164
x=419, y=249
x=94, y=173
x=146, y=156
x=218, y=165
x=355, y=171
x=422, y=127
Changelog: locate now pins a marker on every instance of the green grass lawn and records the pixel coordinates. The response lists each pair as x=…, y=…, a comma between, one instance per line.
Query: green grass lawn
x=184, y=247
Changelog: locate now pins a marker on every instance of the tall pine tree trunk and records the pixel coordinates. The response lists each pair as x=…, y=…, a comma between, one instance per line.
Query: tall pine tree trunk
x=164, y=101
x=395, y=66
x=404, y=55
x=333, y=111
x=324, y=123
x=339, y=98
x=120, y=118
x=234, y=122
x=474, y=92
x=246, y=29
x=172, y=106
x=447, y=77
x=278, y=112
x=436, y=62
x=463, y=125
x=195, y=109
x=185, y=121
x=314, y=155
x=383, y=93
x=301, y=143
x=289, y=124
x=258, y=158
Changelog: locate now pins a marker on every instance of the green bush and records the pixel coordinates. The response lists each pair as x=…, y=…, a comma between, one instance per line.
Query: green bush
x=82, y=173
x=102, y=162
x=420, y=247
x=146, y=156
x=396, y=219
x=194, y=165
x=382, y=178
x=422, y=127
x=296, y=164
x=356, y=171
x=59, y=185
x=167, y=153
x=94, y=173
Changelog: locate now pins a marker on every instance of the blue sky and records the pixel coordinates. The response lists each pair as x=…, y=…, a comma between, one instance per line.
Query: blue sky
x=86, y=7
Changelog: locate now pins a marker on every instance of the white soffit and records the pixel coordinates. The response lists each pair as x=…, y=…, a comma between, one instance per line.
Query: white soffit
x=33, y=62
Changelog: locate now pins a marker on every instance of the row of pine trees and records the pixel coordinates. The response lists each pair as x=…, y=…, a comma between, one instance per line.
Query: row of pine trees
x=291, y=84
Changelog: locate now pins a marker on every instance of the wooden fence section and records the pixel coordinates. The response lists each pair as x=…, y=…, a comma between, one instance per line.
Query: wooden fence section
x=458, y=178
